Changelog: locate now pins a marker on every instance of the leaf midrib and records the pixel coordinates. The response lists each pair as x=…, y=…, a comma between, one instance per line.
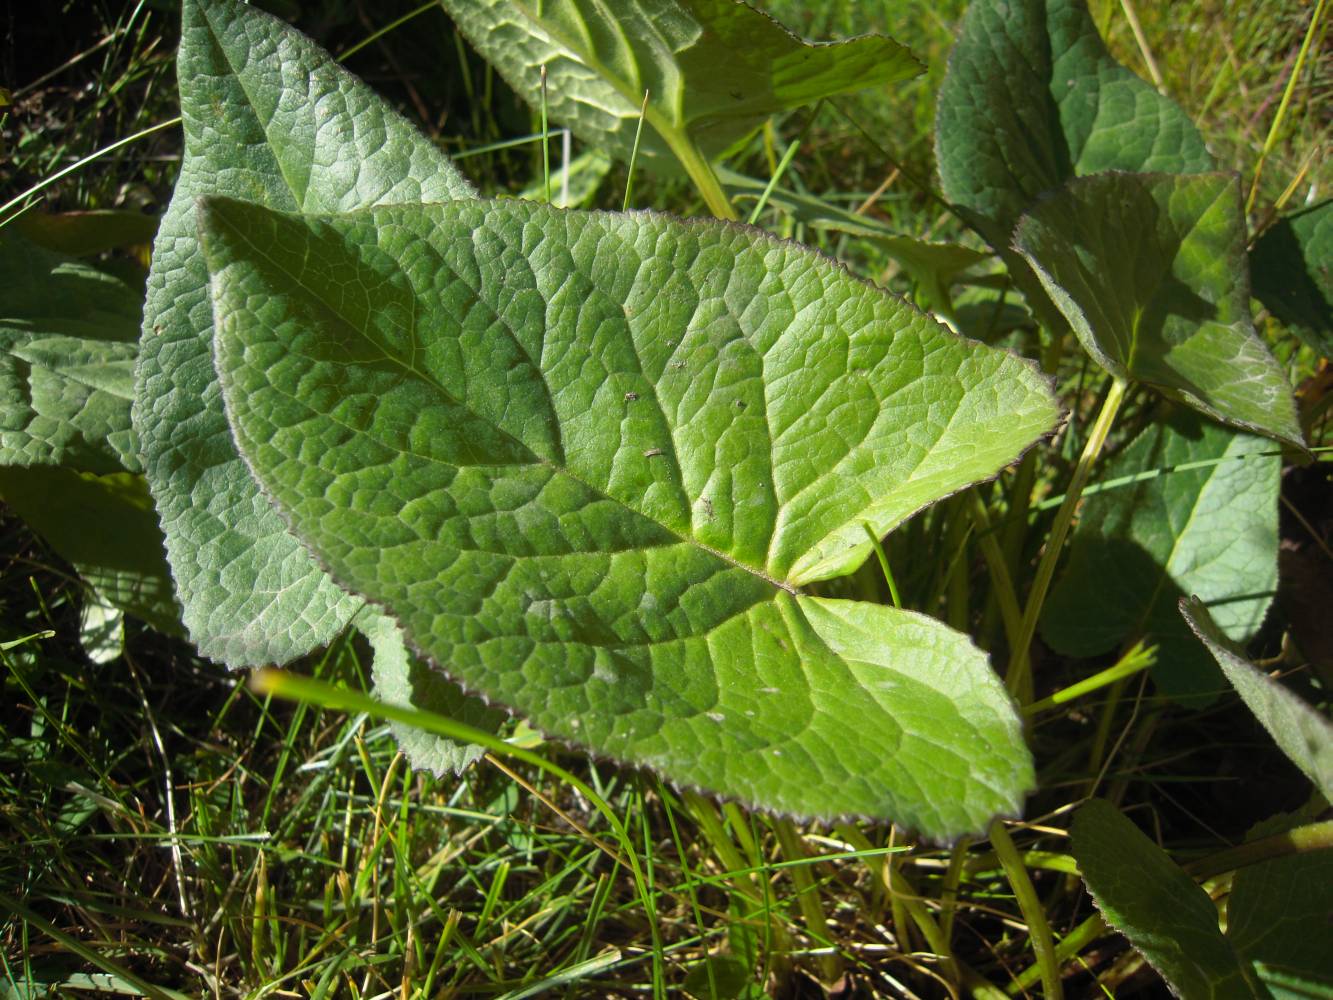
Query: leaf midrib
x=558, y=469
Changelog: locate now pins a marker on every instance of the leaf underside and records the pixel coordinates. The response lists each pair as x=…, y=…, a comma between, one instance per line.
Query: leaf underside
x=270, y=118
x=1304, y=735
x=713, y=69
x=587, y=461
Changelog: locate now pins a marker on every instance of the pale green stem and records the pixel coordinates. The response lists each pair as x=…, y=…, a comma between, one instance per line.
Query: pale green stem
x=1002, y=584
x=883, y=564
x=949, y=889
x=1039, y=932
x=1070, y=945
x=1311, y=837
x=1136, y=659
x=1018, y=678
x=807, y=897
x=700, y=172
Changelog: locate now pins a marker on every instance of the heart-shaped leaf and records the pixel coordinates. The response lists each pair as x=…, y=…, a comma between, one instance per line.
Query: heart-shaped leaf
x=1305, y=735
x=1149, y=270
x=1193, y=510
x=1032, y=99
x=1147, y=897
x=271, y=118
x=588, y=461
x=68, y=340
x=713, y=69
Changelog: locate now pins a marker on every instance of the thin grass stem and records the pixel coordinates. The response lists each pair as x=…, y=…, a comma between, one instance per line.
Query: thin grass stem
x=1039, y=931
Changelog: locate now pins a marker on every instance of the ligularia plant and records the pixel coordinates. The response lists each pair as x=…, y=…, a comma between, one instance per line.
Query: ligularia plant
x=590, y=464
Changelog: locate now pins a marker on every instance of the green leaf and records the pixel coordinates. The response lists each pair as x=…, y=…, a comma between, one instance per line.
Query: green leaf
x=403, y=679
x=1143, y=894
x=713, y=69
x=1032, y=99
x=1304, y=734
x=1278, y=916
x=68, y=337
x=1291, y=270
x=81, y=234
x=1149, y=270
x=1202, y=520
x=588, y=460
x=268, y=117
x=106, y=527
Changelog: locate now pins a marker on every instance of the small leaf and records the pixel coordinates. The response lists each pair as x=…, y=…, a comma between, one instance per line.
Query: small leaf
x=1032, y=99
x=271, y=118
x=402, y=679
x=1304, y=734
x=713, y=69
x=1143, y=894
x=106, y=527
x=588, y=460
x=1149, y=270
x=1203, y=520
x=101, y=629
x=68, y=337
x=1292, y=270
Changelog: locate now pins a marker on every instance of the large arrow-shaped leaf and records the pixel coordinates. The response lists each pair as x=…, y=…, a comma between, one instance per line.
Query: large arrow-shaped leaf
x=713, y=70
x=270, y=118
x=589, y=461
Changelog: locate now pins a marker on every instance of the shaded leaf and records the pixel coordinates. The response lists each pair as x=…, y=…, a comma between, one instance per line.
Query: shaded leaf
x=1206, y=523
x=588, y=460
x=271, y=118
x=403, y=679
x=1303, y=733
x=68, y=340
x=1291, y=270
x=1032, y=99
x=1278, y=918
x=1143, y=894
x=1149, y=270
x=81, y=234
x=106, y=527
x=713, y=69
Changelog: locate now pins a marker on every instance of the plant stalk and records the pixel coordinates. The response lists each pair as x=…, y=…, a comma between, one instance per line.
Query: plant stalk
x=1039, y=931
x=807, y=897
x=1018, y=679
x=1311, y=837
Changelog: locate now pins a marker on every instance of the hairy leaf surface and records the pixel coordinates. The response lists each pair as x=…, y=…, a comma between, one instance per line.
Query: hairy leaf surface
x=1301, y=731
x=1202, y=520
x=1149, y=270
x=588, y=461
x=269, y=118
x=68, y=340
x=1032, y=99
x=1143, y=894
x=713, y=69
x=405, y=680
